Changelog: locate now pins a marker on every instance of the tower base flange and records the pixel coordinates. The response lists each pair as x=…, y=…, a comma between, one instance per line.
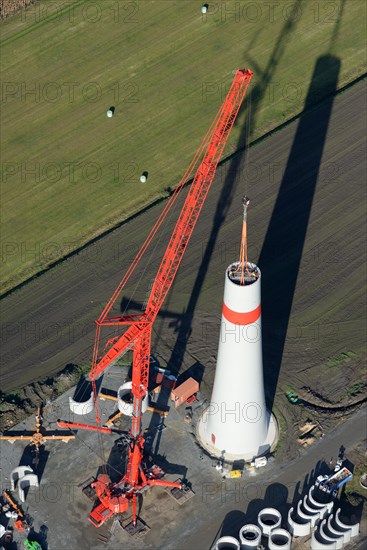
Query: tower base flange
x=249, y=454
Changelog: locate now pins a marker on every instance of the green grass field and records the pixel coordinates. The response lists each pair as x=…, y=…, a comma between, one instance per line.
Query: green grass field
x=69, y=172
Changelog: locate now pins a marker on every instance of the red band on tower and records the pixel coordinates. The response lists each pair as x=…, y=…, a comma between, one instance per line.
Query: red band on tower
x=237, y=318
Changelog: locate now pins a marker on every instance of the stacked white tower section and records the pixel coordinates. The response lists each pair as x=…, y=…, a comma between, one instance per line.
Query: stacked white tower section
x=236, y=424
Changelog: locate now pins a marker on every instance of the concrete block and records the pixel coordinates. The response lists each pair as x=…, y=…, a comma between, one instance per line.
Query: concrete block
x=345, y=534
x=268, y=519
x=318, y=543
x=227, y=543
x=81, y=407
x=354, y=529
x=29, y=480
x=298, y=527
x=250, y=536
x=326, y=534
x=312, y=518
x=17, y=473
x=279, y=539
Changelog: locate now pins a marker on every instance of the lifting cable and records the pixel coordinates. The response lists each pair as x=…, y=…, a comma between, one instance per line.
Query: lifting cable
x=188, y=175
x=242, y=265
x=99, y=422
x=100, y=457
x=102, y=453
x=243, y=249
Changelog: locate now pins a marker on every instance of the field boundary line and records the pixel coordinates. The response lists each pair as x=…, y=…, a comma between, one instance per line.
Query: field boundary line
x=39, y=24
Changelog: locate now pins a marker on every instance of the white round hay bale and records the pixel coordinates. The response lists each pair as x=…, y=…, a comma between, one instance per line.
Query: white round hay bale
x=204, y=9
x=110, y=113
x=143, y=178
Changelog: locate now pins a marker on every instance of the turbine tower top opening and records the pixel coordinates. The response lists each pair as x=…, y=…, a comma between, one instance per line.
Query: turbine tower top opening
x=243, y=277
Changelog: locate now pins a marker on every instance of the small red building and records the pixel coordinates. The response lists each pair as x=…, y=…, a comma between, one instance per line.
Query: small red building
x=184, y=391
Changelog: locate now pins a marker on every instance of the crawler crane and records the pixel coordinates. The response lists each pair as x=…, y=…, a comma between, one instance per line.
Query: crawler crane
x=116, y=497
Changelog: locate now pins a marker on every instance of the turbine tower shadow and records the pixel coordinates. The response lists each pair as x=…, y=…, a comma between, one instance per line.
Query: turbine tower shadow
x=281, y=253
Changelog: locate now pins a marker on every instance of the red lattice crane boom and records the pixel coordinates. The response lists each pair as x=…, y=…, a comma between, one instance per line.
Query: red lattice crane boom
x=115, y=498
x=182, y=232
